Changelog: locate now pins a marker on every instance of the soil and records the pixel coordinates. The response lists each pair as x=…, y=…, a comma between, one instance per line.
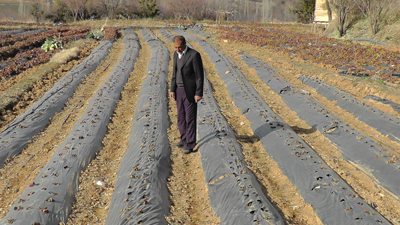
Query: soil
x=277, y=186
x=18, y=173
x=188, y=190
x=384, y=202
x=93, y=200
x=37, y=81
x=189, y=194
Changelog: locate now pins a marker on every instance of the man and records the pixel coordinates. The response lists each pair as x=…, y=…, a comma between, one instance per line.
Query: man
x=187, y=89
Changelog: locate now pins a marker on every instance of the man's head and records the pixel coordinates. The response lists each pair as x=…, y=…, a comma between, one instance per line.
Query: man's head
x=179, y=43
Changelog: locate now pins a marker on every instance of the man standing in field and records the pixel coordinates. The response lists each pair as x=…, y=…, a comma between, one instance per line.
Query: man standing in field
x=187, y=89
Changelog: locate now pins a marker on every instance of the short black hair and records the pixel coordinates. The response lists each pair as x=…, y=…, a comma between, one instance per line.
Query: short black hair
x=179, y=38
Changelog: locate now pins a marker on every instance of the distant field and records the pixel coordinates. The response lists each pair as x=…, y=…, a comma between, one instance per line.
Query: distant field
x=10, y=9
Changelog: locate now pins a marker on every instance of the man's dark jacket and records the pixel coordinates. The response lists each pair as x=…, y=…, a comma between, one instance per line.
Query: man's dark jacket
x=192, y=74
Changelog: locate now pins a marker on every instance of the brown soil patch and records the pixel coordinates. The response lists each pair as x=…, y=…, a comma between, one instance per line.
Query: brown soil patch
x=17, y=174
x=93, y=200
x=277, y=187
x=360, y=180
x=189, y=193
x=358, y=88
x=18, y=93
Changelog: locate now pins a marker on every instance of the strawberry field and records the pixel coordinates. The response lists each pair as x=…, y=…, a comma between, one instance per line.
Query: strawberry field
x=293, y=127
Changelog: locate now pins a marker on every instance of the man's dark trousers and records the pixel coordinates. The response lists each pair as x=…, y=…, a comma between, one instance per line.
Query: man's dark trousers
x=187, y=113
x=192, y=74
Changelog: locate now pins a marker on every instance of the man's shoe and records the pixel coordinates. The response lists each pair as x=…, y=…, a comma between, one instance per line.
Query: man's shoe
x=179, y=145
x=187, y=151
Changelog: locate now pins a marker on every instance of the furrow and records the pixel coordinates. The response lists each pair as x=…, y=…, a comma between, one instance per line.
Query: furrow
x=17, y=135
x=395, y=106
x=235, y=194
x=354, y=145
x=48, y=199
x=141, y=195
x=190, y=203
x=334, y=201
x=381, y=121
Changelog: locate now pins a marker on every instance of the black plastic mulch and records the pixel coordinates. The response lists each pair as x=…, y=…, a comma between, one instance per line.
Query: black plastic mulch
x=49, y=198
x=333, y=200
x=141, y=195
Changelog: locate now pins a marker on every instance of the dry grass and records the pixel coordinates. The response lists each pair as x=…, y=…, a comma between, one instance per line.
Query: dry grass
x=65, y=55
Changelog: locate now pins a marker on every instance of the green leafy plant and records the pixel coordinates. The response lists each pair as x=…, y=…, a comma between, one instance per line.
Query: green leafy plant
x=51, y=44
x=95, y=34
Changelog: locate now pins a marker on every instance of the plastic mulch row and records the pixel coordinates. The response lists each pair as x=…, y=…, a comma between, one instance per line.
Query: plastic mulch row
x=49, y=198
x=394, y=105
x=381, y=121
x=141, y=195
x=333, y=200
x=18, y=134
x=354, y=146
x=235, y=194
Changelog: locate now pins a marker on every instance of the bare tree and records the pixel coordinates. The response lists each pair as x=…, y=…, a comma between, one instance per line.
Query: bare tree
x=375, y=11
x=37, y=11
x=187, y=9
x=77, y=8
x=110, y=6
x=343, y=8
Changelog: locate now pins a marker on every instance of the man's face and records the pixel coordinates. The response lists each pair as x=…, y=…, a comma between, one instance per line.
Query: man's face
x=179, y=46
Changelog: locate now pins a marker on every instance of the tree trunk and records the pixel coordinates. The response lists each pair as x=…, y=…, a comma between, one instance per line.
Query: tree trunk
x=328, y=7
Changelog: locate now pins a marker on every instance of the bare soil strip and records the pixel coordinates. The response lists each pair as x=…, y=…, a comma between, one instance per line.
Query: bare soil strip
x=53, y=190
x=321, y=188
x=355, y=146
x=98, y=180
x=19, y=173
x=276, y=185
x=383, y=122
x=189, y=194
x=374, y=195
x=235, y=194
x=16, y=136
x=18, y=93
x=296, y=66
x=293, y=67
x=140, y=194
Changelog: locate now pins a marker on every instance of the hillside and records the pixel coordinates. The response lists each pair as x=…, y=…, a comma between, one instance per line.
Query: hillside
x=389, y=34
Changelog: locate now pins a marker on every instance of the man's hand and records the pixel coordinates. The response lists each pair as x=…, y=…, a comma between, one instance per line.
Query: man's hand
x=172, y=95
x=197, y=98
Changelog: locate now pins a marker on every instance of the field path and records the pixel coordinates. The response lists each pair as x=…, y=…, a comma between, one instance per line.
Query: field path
x=48, y=199
x=189, y=194
x=332, y=198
